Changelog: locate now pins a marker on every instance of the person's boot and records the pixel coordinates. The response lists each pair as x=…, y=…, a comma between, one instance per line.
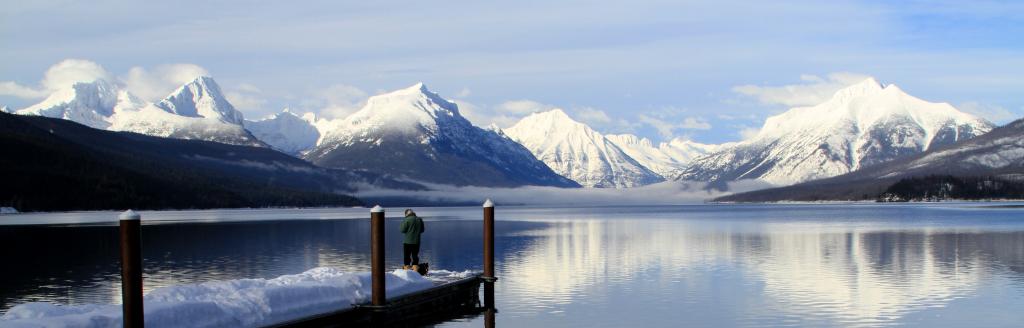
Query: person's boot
x=405, y=267
x=415, y=268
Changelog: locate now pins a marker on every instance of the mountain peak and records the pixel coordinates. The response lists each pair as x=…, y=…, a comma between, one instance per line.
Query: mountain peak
x=415, y=133
x=862, y=125
x=578, y=152
x=91, y=103
x=868, y=86
x=418, y=88
x=201, y=98
x=414, y=101
x=203, y=80
x=555, y=115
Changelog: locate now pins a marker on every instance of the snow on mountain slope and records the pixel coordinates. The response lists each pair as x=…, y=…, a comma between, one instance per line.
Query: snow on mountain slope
x=415, y=133
x=205, y=112
x=201, y=98
x=667, y=159
x=998, y=154
x=6, y=109
x=88, y=103
x=286, y=131
x=577, y=152
x=862, y=125
x=155, y=121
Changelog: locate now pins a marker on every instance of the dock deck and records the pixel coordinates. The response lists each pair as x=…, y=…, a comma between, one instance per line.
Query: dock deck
x=442, y=302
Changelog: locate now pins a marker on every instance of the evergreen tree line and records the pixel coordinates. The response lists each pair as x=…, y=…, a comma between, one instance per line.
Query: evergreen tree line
x=41, y=171
x=944, y=187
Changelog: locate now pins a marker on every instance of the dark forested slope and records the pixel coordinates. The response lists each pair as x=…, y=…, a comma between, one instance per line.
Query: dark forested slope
x=51, y=164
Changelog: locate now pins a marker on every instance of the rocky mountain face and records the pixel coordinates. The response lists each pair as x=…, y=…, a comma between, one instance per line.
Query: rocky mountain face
x=862, y=125
x=416, y=134
x=995, y=156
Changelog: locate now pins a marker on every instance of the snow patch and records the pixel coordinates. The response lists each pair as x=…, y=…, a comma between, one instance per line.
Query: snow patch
x=233, y=303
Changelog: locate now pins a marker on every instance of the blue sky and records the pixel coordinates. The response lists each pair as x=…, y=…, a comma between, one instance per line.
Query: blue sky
x=710, y=71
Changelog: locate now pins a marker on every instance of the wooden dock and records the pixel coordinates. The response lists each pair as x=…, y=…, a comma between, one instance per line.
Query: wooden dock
x=444, y=302
x=450, y=300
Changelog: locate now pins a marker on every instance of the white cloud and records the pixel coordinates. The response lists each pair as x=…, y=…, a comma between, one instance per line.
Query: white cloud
x=11, y=88
x=465, y=92
x=156, y=83
x=813, y=91
x=694, y=123
x=503, y=115
x=601, y=121
x=68, y=71
x=246, y=97
x=668, y=129
x=592, y=116
x=337, y=100
x=59, y=76
x=995, y=113
x=748, y=132
x=522, y=107
x=478, y=116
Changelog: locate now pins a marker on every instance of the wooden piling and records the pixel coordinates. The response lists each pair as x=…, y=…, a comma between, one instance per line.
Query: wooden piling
x=378, y=296
x=131, y=270
x=489, y=317
x=489, y=241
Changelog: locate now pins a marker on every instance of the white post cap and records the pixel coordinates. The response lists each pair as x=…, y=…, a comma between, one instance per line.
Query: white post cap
x=488, y=203
x=377, y=209
x=129, y=215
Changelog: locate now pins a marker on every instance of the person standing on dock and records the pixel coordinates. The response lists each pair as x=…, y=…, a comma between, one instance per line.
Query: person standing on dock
x=412, y=227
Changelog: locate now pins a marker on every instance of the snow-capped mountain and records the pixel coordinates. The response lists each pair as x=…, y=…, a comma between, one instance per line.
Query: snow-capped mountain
x=668, y=158
x=196, y=110
x=861, y=125
x=999, y=152
x=201, y=98
x=997, y=155
x=286, y=132
x=415, y=133
x=90, y=103
x=6, y=109
x=577, y=152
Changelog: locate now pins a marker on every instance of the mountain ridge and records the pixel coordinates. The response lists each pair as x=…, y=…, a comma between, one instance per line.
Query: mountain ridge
x=861, y=125
x=195, y=110
x=578, y=152
x=999, y=153
x=413, y=132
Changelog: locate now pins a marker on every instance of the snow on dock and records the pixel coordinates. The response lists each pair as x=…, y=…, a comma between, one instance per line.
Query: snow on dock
x=234, y=303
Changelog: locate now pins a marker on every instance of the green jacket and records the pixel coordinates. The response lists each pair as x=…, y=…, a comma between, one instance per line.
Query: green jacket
x=412, y=227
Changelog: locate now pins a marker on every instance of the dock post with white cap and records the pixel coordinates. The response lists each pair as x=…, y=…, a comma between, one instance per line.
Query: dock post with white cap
x=378, y=297
x=489, y=240
x=131, y=269
x=488, y=276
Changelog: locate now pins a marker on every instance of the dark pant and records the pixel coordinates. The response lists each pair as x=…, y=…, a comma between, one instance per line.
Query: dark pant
x=411, y=254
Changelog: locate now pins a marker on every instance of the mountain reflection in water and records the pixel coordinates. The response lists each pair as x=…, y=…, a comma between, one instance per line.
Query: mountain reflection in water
x=828, y=265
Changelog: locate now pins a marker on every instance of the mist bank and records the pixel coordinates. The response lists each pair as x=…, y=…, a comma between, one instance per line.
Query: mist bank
x=664, y=193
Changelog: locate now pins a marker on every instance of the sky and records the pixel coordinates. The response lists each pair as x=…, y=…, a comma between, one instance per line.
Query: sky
x=709, y=71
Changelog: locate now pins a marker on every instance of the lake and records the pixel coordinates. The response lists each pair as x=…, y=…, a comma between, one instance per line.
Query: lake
x=947, y=264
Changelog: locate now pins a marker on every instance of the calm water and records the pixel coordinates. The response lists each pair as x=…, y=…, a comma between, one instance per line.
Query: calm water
x=704, y=265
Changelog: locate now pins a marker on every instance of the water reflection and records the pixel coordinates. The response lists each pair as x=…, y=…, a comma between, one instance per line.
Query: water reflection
x=665, y=266
x=76, y=265
x=663, y=271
